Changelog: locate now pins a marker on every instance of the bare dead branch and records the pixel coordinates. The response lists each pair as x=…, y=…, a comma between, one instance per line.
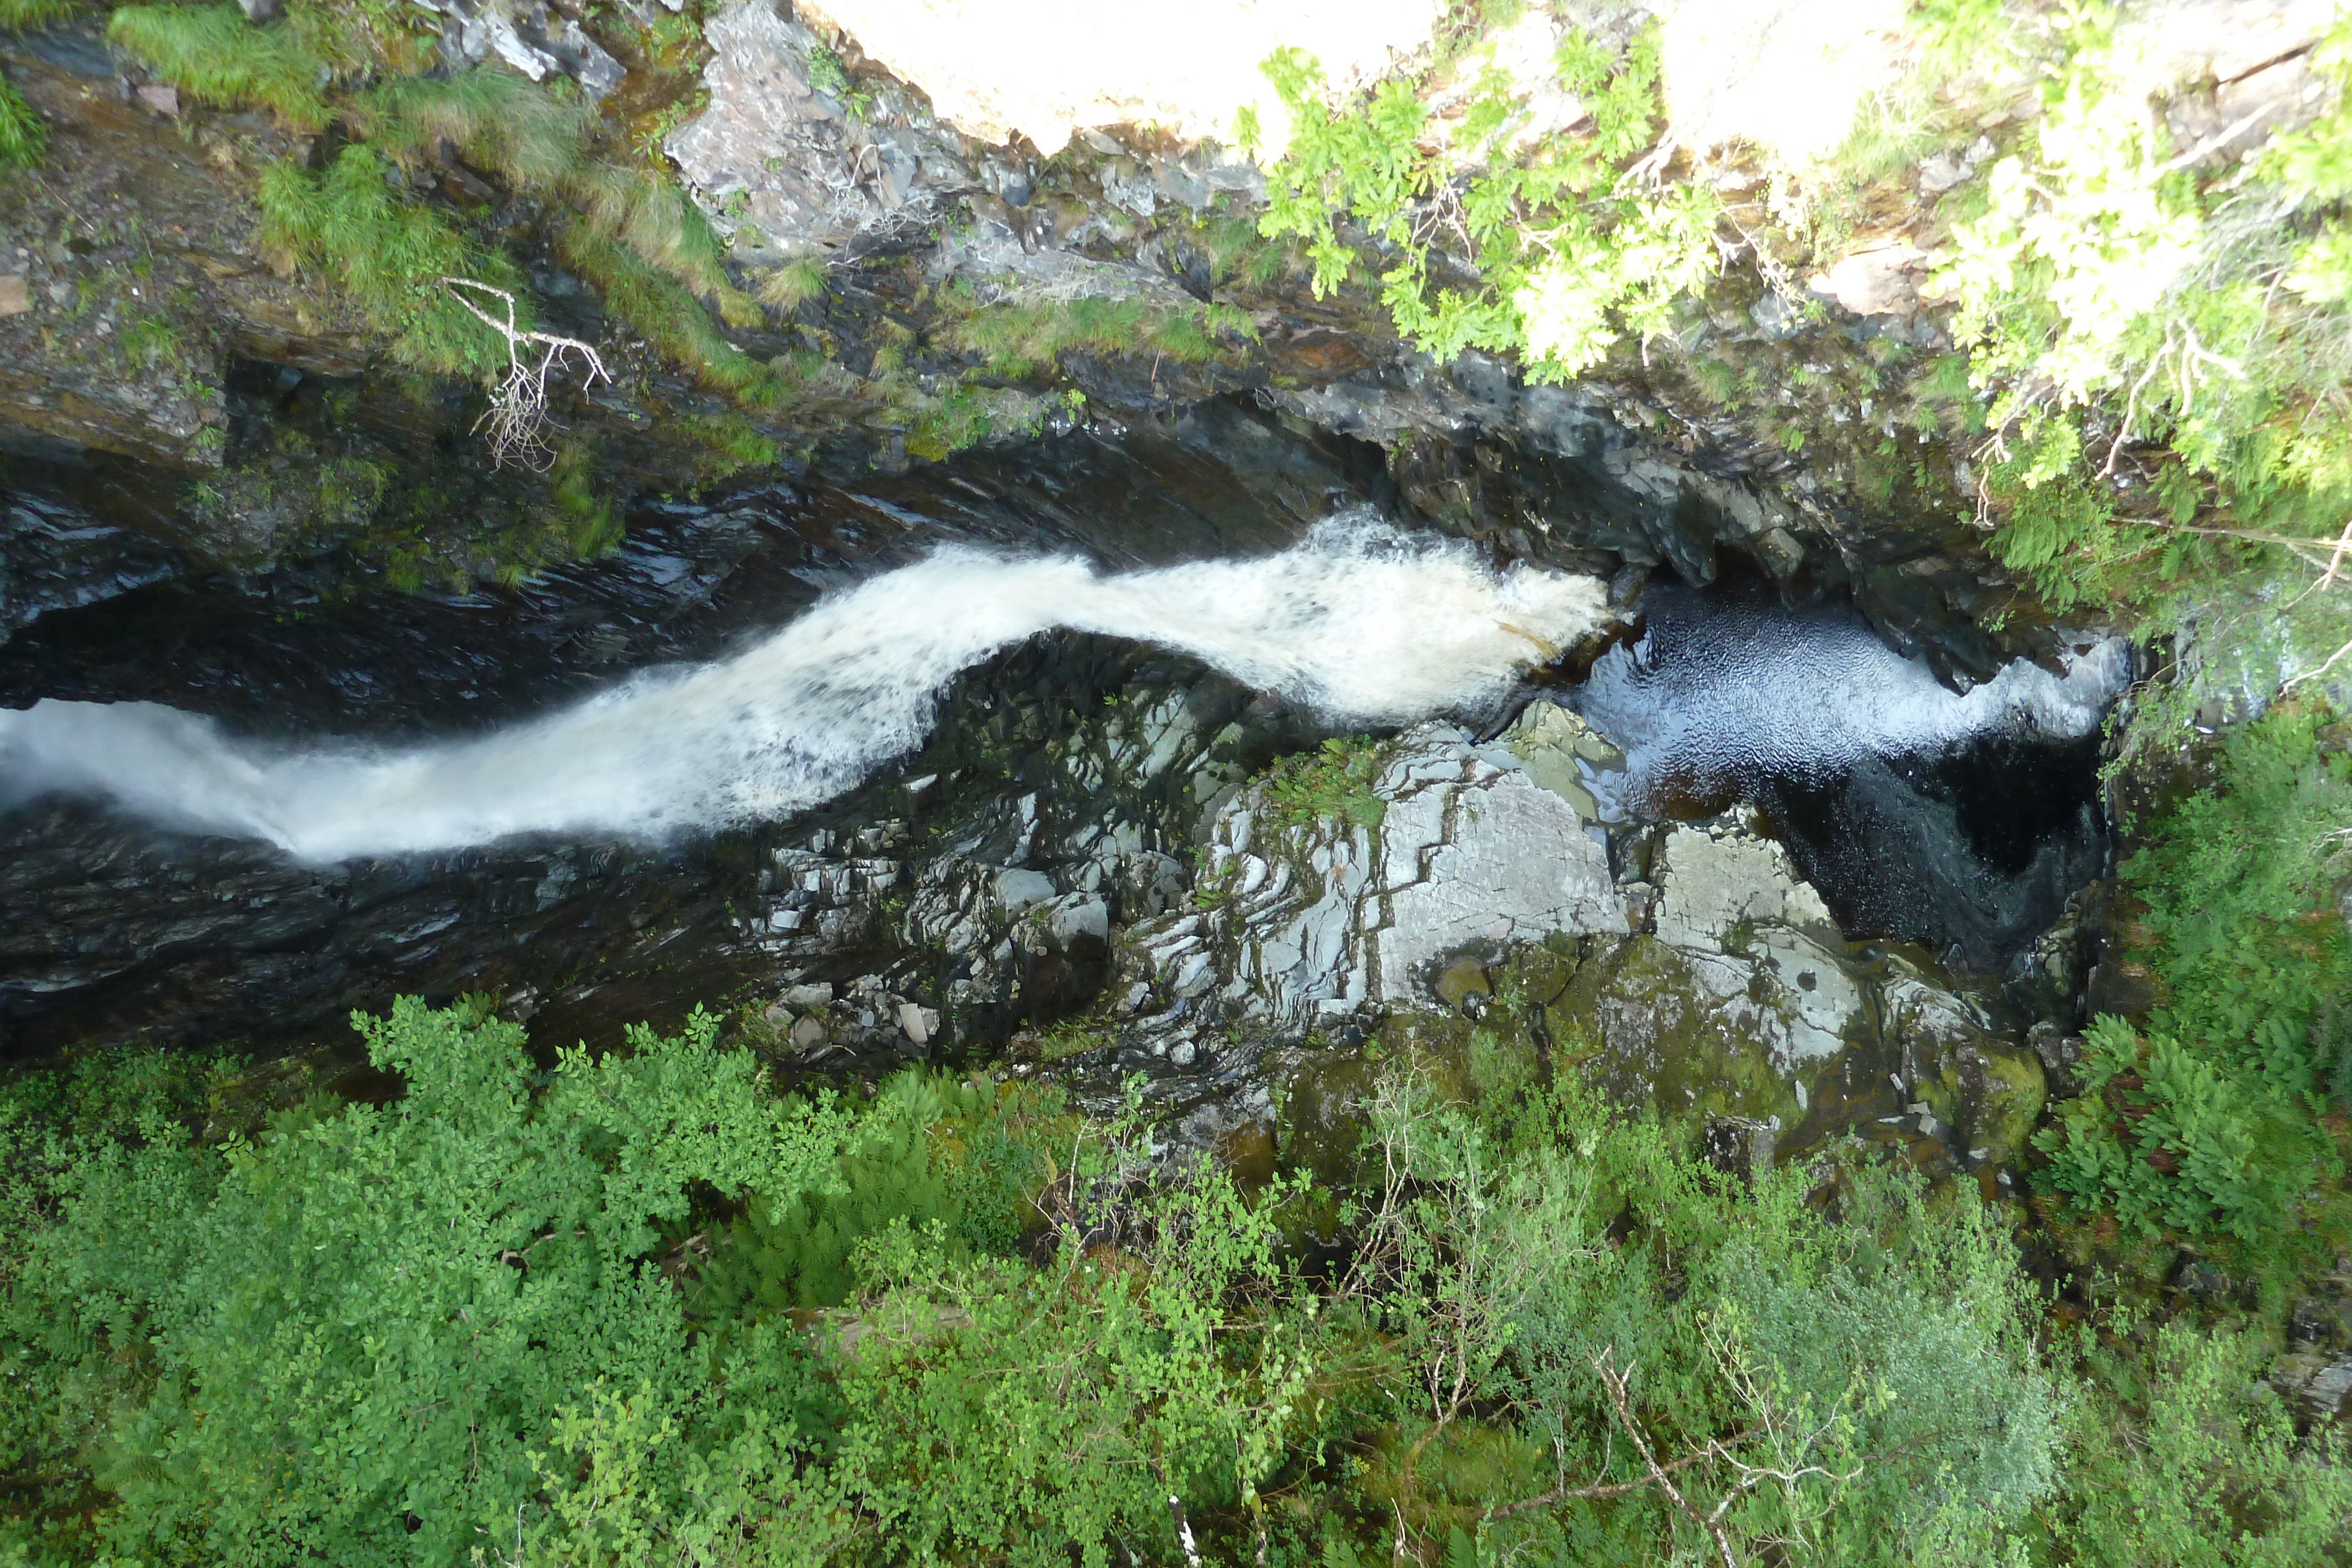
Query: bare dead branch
x=1561, y=1494
x=517, y=420
x=1605, y=1364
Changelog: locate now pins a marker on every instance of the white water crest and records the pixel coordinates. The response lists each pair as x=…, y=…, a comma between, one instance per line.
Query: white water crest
x=1358, y=622
x=1718, y=692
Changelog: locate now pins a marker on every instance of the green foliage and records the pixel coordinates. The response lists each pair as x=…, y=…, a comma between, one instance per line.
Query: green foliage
x=793, y=284
x=28, y=15
x=214, y=54
x=667, y=314
x=388, y=255
x=949, y=424
x=1572, y=246
x=343, y=1338
x=2208, y=1120
x=1861, y=1389
x=826, y=73
x=593, y=521
x=1335, y=782
x=529, y=136
x=929, y=1154
x=2104, y=280
x=1017, y=340
x=473, y=1322
x=2180, y=1456
x=24, y=135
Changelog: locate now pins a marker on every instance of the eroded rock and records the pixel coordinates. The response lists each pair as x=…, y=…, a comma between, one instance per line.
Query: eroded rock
x=1304, y=922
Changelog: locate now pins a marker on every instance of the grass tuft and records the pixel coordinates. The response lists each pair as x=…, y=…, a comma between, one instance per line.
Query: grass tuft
x=530, y=137
x=669, y=317
x=28, y=15
x=789, y=286
x=24, y=135
x=385, y=254
x=212, y=54
x=1018, y=339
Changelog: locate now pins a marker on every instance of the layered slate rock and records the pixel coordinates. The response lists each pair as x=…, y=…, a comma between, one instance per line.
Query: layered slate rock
x=1308, y=922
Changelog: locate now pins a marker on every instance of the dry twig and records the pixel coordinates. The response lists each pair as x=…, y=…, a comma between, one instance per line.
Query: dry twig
x=516, y=419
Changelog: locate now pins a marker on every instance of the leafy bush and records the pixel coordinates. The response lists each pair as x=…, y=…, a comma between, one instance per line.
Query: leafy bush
x=2179, y=1454
x=1573, y=246
x=2117, y=297
x=929, y=1154
x=344, y=1339
x=473, y=1321
x=1578, y=1307
x=2208, y=1121
x=1335, y=782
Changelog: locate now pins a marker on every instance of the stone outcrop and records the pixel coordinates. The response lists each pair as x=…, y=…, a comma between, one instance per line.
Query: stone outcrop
x=789, y=163
x=1297, y=925
x=1687, y=966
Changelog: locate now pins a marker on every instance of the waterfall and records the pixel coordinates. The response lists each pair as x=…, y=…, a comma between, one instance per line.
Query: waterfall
x=1358, y=621
x=1726, y=689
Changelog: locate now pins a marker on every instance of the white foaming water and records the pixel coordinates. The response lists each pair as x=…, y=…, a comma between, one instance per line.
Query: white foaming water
x=1358, y=622
x=1716, y=693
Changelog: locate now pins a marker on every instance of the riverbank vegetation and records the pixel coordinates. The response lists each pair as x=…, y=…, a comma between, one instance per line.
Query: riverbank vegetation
x=2146, y=369
x=640, y=1309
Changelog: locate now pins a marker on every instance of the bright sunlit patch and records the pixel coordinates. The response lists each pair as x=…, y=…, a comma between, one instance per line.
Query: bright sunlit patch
x=1045, y=68
x=1789, y=77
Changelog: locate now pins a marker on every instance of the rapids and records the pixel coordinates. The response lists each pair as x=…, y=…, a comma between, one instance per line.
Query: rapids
x=1359, y=623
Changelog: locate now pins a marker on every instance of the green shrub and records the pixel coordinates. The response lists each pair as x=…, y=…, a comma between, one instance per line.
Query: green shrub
x=2180, y=1457
x=1335, y=783
x=2116, y=299
x=529, y=136
x=344, y=1339
x=927, y=1153
x=2209, y=1119
x=1573, y=247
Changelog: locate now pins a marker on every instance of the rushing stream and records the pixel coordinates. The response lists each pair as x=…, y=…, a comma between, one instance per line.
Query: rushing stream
x=1358, y=624
x=1961, y=821
x=225, y=811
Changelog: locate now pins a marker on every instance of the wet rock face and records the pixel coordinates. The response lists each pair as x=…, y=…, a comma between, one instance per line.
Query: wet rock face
x=523, y=35
x=1691, y=970
x=779, y=148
